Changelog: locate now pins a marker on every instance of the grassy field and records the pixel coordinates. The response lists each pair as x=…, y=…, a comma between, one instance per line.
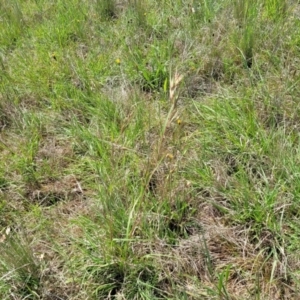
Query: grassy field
x=149, y=149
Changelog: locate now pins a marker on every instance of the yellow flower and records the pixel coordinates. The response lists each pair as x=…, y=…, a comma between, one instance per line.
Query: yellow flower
x=170, y=156
x=118, y=61
x=179, y=122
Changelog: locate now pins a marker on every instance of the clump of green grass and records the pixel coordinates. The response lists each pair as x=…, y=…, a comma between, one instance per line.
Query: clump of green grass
x=149, y=67
x=19, y=268
x=149, y=150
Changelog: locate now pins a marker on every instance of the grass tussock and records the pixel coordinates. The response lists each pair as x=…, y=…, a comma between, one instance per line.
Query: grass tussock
x=149, y=150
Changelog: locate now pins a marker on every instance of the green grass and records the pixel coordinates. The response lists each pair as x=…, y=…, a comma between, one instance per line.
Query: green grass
x=149, y=149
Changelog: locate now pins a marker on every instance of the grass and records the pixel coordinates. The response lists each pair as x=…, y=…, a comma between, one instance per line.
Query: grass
x=149, y=150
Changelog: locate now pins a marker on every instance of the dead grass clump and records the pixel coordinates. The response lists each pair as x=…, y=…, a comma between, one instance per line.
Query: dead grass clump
x=56, y=282
x=56, y=153
x=222, y=258
x=197, y=85
x=218, y=255
x=6, y=116
x=49, y=193
x=281, y=111
x=206, y=257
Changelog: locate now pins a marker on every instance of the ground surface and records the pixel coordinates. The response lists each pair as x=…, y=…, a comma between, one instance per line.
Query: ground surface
x=149, y=149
